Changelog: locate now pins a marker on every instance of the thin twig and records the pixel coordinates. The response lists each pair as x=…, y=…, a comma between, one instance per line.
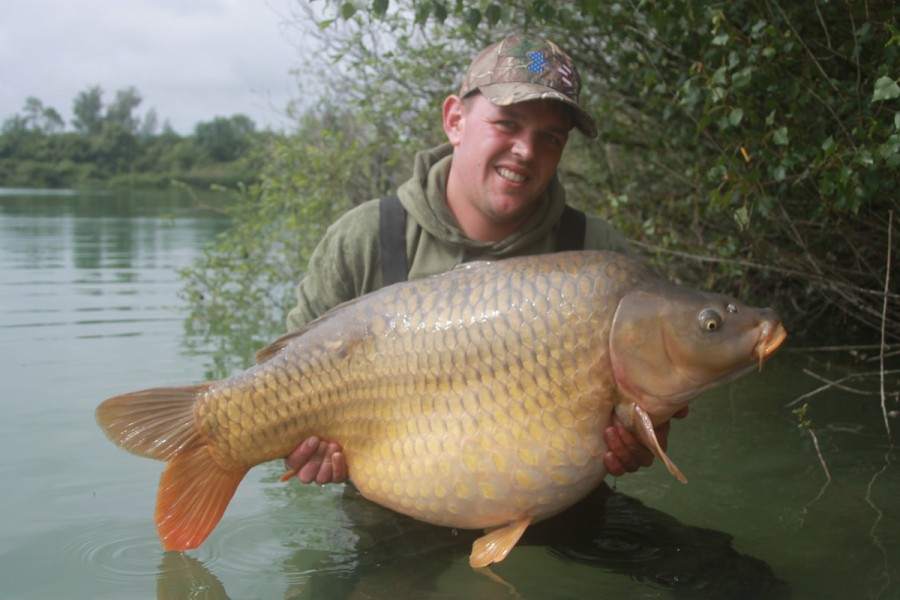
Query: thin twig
x=887, y=283
x=828, y=384
x=822, y=462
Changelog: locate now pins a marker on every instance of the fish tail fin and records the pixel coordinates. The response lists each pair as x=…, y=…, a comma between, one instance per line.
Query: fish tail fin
x=156, y=423
x=194, y=489
x=194, y=492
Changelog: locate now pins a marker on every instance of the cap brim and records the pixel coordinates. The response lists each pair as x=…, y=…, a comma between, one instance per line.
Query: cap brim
x=505, y=94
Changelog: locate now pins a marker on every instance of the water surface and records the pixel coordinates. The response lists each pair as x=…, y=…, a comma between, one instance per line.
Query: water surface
x=89, y=308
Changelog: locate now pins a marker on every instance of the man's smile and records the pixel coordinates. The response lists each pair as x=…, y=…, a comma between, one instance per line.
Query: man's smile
x=511, y=175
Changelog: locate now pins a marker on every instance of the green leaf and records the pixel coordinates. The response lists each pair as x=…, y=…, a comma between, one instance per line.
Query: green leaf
x=473, y=18
x=742, y=217
x=379, y=7
x=780, y=136
x=348, y=9
x=493, y=13
x=736, y=116
x=423, y=11
x=885, y=89
x=440, y=11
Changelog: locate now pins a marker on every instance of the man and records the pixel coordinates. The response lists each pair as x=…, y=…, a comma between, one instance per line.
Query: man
x=492, y=192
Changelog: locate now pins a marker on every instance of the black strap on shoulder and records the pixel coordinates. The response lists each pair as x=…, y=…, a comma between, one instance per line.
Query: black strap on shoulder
x=392, y=235
x=572, y=226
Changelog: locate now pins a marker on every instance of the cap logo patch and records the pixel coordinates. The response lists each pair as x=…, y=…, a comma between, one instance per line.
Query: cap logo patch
x=537, y=62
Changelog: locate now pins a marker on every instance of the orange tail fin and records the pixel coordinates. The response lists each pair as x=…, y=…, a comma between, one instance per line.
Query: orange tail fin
x=194, y=490
x=193, y=494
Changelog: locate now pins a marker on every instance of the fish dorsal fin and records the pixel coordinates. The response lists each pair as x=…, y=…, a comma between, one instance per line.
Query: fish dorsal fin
x=278, y=345
x=642, y=425
x=496, y=544
x=285, y=340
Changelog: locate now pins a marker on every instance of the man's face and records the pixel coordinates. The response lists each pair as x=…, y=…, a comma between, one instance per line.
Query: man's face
x=505, y=156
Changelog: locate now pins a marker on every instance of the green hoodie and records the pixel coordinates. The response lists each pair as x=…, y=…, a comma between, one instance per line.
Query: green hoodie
x=347, y=262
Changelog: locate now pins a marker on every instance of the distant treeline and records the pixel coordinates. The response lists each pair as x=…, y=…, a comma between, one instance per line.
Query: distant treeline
x=111, y=146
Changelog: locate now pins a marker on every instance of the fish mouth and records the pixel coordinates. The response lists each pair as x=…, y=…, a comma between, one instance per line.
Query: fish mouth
x=770, y=339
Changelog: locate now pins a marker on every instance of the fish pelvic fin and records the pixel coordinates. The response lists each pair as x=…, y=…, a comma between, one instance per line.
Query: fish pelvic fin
x=194, y=492
x=156, y=423
x=642, y=425
x=497, y=543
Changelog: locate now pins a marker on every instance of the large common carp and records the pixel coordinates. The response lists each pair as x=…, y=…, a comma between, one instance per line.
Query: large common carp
x=472, y=399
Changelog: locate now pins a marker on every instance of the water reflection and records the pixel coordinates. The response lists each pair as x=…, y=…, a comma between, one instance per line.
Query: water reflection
x=396, y=557
x=182, y=576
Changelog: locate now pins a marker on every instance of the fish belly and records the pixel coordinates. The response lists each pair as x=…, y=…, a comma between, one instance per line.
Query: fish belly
x=476, y=471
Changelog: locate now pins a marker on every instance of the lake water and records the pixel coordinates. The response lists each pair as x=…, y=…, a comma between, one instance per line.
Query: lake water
x=89, y=308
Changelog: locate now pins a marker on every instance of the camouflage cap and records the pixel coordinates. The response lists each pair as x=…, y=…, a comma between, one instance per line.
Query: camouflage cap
x=525, y=67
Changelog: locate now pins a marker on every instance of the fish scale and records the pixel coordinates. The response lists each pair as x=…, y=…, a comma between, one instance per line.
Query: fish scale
x=472, y=399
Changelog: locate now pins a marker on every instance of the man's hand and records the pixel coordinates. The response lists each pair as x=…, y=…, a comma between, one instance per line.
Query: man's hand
x=317, y=460
x=625, y=453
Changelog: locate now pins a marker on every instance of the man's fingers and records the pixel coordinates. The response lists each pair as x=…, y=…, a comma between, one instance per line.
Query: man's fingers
x=316, y=460
x=339, y=468
x=617, y=444
x=326, y=468
x=301, y=454
x=614, y=466
x=310, y=471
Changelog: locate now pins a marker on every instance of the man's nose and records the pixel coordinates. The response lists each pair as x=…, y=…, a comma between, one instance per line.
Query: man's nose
x=523, y=147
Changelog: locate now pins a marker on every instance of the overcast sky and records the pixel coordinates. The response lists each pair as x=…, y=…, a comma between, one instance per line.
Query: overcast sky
x=191, y=60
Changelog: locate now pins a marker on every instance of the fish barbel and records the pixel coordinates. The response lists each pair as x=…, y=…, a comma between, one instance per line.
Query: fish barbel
x=473, y=399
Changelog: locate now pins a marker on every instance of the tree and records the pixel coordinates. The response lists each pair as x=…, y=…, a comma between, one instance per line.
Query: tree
x=41, y=119
x=34, y=110
x=14, y=124
x=225, y=138
x=120, y=111
x=88, y=110
x=150, y=124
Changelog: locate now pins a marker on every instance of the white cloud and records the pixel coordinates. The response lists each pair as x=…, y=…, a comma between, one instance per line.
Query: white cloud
x=191, y=60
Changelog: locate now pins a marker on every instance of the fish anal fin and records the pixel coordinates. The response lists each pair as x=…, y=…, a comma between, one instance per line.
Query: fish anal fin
x=497, y=543
x=194, y=492
x=643, y=426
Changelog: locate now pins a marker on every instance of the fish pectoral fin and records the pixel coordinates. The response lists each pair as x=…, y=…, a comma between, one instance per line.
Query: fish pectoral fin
x=644, y=429
x=497, y=543
x=194, y=492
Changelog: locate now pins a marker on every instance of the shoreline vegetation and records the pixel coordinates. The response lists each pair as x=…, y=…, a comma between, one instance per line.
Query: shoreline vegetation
x=113, y=147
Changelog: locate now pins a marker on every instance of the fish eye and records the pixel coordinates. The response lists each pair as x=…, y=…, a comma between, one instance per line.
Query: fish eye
x=710, y=319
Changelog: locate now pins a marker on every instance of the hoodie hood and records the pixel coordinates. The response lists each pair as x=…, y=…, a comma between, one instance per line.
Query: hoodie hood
x=424, y=197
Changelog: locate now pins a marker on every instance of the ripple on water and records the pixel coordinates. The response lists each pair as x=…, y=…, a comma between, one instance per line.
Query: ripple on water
x=112, y=552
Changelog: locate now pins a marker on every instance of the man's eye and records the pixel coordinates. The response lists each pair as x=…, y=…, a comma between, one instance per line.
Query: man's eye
x=553, y=140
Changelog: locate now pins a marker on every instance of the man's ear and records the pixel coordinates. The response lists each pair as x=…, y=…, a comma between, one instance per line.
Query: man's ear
x=454, y=118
